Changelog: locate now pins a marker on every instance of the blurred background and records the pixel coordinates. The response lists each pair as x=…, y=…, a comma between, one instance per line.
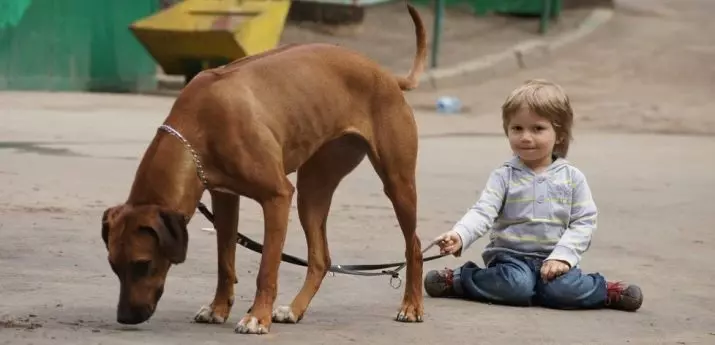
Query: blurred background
x=151, y=45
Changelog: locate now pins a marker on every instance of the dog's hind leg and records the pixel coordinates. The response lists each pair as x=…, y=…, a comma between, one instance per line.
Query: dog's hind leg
x=225, y=208
x=316, y=183
x=394, y=157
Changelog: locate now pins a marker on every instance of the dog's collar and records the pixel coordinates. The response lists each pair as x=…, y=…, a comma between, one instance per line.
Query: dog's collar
x=195, y=155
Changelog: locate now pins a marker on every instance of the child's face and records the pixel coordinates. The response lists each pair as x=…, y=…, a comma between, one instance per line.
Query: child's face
x=531, y=137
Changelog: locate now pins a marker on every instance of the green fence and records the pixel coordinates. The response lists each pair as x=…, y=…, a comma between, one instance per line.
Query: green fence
x=80, y=45
x=522, y=7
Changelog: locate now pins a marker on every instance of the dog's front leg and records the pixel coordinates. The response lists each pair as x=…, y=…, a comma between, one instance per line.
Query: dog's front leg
x=226, y=208
x=275, y=214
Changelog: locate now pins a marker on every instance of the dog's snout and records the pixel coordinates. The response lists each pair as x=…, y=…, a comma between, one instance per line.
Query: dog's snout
x=133, y=316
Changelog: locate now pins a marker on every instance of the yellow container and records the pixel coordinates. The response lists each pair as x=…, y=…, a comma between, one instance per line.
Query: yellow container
x=206, y=31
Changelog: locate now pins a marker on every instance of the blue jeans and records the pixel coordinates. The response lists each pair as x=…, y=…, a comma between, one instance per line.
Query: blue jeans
x=517, y=281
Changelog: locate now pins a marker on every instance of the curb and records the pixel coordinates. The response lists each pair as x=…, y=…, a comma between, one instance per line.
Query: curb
x=520, y=56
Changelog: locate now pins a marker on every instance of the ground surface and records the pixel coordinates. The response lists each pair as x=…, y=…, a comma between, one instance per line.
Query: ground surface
x=645, y=136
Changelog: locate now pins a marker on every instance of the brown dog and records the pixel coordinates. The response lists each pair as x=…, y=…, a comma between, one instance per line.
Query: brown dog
x=316, y=109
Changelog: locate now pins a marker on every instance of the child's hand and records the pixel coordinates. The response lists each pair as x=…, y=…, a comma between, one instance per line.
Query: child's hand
x=449, y=242
x=553, y=268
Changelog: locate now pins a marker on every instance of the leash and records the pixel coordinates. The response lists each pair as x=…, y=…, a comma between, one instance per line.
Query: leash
x=358, y=270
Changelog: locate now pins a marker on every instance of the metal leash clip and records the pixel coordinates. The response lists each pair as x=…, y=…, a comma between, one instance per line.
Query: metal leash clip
x=396, y=278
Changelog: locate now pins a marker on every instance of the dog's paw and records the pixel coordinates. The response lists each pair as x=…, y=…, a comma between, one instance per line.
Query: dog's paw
x=410, y=314
x=250, y=325
x=207, y=315
x=403, y=317
x=284, y=314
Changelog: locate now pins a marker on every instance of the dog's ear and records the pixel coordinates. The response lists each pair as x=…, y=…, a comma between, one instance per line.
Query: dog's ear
x=108, y=213
x=105, y=228
x=173, y=236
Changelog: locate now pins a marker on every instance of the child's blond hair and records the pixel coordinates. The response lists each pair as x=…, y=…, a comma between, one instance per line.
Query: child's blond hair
x=548, y=100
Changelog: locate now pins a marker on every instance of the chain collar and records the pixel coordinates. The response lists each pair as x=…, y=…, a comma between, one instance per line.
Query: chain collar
x=195, y=155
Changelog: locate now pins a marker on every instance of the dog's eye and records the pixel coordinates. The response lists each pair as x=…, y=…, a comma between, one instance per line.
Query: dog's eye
x=140, y=268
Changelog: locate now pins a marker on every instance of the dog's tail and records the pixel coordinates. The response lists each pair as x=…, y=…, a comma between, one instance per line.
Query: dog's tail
x=412, y=80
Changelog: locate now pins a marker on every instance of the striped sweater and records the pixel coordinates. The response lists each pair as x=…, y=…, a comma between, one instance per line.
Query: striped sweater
x=550, y=215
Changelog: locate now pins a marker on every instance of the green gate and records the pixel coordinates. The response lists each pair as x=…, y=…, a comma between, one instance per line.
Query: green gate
x=79, y=45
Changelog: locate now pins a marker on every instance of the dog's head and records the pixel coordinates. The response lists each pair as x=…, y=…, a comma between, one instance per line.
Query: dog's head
x=142, y=243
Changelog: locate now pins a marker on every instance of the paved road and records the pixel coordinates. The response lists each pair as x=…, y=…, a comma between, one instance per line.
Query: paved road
x=67, y=157
x=648, y=70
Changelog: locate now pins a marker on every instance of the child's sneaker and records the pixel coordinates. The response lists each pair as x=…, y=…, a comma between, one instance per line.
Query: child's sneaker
x=622, y=296
x=440, y=283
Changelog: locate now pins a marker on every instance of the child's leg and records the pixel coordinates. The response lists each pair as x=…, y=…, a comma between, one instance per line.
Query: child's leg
x=572, y=290
x=507, y=280
x=576, y=290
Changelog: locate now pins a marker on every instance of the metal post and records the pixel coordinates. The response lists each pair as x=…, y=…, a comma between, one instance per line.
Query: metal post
x=545, y=16
x=437, y=30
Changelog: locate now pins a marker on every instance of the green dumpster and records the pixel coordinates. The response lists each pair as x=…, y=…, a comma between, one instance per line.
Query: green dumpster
x=74, y=45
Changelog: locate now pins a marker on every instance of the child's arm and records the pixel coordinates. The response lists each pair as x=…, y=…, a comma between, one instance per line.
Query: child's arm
x=480, y=216
x=577, y=237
